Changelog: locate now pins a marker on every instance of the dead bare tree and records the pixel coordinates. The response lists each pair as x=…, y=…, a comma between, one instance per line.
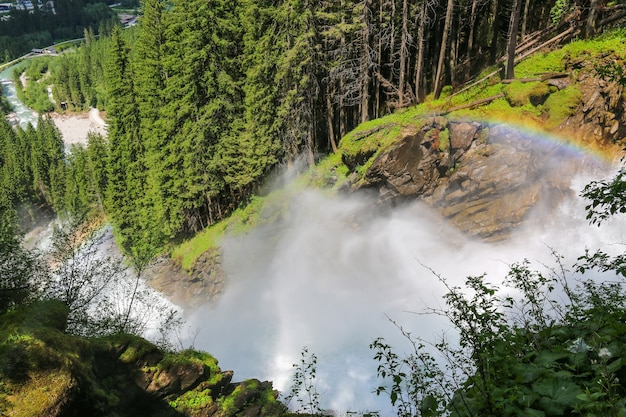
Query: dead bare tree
x=509, y=72
x=442, y=52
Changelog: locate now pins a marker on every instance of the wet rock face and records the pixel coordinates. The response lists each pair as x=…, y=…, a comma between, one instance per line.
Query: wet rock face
x=408, y=169
x=197, y=287
x=601, y=115
x=485, y=182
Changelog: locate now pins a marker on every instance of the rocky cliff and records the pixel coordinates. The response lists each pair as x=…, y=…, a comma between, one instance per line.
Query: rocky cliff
x=193, y=288
x=486, y=178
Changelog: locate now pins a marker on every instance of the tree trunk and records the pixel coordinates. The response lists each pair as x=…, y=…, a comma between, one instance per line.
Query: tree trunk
x=512, y=42
x=342, y=82
x=365, y=63
x=379, y=62
x=403, y=51
x=310, y=147
x=470, y=37
x=419, y=64
x=525, y=18
x=590, y=28
x=493, y=48
x=330, y=113
x=454, y=50
x=442, y=51
x=392, y=38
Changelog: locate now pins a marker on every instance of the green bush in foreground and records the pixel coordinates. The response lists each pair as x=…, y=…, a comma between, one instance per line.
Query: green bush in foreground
x=531, y=355
x=554, y=349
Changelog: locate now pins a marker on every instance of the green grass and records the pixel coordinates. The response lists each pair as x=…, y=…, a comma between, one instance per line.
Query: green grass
x=259, y=210
x=189, y=251
x=329, y=172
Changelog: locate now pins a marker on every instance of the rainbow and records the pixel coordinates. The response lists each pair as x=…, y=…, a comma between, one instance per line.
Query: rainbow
x=601, y=156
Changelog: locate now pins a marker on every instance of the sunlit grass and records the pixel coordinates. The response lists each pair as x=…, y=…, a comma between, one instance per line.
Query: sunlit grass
x=187, y=252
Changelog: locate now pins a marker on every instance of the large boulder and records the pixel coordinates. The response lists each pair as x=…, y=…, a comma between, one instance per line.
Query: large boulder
x=486, y=182
x=408, y=168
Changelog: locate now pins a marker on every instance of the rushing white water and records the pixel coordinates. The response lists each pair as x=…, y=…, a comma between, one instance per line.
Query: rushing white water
x=330, y=274
x=23, y=114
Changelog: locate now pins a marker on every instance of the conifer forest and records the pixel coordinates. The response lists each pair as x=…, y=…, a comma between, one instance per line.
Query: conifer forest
x=205, y=98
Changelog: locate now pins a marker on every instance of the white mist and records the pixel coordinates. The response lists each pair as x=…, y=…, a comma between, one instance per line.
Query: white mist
x=330, y=273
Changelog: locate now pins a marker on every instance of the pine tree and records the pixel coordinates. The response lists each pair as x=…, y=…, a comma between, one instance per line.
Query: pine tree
x=203, y=99
x=149, y=72
x=253, y=147
x=125, y=170
x=97, y=154
x=297, y=74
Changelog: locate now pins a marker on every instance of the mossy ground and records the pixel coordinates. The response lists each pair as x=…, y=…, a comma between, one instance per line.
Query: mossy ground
x=39, y=363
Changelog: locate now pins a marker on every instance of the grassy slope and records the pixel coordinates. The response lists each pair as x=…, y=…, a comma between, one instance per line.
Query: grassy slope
x=372, y=136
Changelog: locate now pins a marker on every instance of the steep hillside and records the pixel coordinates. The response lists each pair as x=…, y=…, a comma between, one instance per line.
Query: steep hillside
x=467, y=154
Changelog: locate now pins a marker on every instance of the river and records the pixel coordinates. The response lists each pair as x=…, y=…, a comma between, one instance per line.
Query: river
x=23, y=115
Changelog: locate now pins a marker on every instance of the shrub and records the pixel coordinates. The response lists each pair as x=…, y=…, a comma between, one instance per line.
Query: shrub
x=528, y=355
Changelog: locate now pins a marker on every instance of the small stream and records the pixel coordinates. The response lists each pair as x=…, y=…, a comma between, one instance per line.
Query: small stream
x=21, y=115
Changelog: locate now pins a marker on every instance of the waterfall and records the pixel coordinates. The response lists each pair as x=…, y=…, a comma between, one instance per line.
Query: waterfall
x=331, y=273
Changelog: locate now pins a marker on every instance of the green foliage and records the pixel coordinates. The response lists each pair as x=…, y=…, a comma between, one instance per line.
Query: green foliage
x=415, y=381
x=35, y=93
x=608, y=198
x=303, y=388
x=20, y=270
x=79, y=78
x=32, y=165
x=613, y=71
x=560, y=358
x=559, y=10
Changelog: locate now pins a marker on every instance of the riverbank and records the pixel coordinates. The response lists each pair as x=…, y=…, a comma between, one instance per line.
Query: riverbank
x=76, y=127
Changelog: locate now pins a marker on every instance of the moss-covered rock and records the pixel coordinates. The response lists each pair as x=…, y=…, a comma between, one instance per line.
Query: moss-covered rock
x=46, y=372
x=520, y=94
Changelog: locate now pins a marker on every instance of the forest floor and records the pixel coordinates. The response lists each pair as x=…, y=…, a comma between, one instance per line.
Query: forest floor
x=75, y=127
